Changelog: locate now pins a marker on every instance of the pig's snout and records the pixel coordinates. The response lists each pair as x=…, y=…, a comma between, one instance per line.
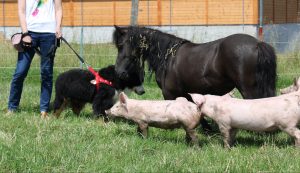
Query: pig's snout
x=107, y=112
x=139, y=90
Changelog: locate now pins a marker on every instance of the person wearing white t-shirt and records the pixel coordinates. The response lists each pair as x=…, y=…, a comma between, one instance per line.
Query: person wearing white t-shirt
x=40, y=21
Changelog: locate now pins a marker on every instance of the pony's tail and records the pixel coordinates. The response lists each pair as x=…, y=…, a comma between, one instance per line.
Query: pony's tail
x=266, y=70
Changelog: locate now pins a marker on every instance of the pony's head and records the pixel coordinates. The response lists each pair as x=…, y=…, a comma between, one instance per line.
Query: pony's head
x=128, y=52
x=139, y=44
x=134, y=81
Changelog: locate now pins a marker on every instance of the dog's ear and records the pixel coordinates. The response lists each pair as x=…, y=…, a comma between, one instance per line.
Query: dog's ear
x=93, y=82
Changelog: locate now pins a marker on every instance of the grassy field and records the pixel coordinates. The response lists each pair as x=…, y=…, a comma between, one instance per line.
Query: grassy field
x=82, y=144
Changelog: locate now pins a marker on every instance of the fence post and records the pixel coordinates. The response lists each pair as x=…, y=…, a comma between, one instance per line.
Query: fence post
x=134, y=12
x=171, y=15
x=81, y=32
x=243, y=14
x=3, y=14
x=261, y=13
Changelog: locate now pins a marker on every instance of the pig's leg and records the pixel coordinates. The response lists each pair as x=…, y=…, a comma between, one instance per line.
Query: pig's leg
x=225, y=130
x=143, y=129
x=294, y=132
x=191, y=137
x=232, y=134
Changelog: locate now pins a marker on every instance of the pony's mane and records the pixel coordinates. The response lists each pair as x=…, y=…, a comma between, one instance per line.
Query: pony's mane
x=152, y=45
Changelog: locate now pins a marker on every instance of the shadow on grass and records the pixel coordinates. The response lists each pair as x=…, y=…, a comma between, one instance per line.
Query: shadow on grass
x=154, y=134
x=175, y=136
x=249, y=138
x=263, y=139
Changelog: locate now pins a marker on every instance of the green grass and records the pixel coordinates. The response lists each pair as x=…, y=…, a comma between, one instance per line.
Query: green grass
x=82, y=144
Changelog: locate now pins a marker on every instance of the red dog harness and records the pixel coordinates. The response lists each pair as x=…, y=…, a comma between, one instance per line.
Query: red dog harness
x=99, y=79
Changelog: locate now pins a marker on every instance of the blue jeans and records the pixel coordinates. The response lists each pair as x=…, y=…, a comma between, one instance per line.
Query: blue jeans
x=46, y=43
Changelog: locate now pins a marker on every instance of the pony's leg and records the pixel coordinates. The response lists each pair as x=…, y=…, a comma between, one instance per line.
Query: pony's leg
x=143, y=129
x=246, y=84
x=191, y=137
x=295, y=133
x=248, y=91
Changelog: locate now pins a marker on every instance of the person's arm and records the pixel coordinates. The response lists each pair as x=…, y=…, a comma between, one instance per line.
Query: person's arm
x=58, y=17
x=22, y=15
x=22, y=20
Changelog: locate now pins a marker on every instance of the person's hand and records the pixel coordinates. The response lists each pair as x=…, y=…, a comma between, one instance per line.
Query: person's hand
x=26, y=39
x=58, y=33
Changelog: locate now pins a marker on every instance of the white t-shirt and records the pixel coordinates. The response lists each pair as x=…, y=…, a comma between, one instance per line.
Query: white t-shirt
x=40, y=15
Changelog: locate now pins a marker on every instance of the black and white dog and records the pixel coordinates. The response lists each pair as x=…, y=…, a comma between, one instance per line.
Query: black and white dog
x=75, y=88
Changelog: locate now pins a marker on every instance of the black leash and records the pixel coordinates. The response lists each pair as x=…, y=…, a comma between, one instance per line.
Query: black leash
x=79, y=57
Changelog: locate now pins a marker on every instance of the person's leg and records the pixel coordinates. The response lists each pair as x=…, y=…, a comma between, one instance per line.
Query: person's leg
x=47, y=48
x=22, y=67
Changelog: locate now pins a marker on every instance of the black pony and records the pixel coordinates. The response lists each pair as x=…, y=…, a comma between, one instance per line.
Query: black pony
x=183, y=67
x=74, y=87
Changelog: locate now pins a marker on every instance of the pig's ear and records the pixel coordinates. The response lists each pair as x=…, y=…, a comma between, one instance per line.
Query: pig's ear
x=123, y=98
x=198, y=99
x=297, y=82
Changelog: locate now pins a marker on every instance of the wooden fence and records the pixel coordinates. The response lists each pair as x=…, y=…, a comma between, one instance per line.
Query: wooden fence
x=165, y=12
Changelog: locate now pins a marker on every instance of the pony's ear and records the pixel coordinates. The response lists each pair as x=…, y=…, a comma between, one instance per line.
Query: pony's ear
x=117, y=28
x=120, y=30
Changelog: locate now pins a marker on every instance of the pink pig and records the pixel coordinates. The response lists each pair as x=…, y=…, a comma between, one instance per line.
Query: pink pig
x=266, y=114
x=166, y=114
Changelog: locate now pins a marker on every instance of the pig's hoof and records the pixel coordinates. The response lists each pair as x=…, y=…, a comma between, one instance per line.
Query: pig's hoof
x=196, y=146
x=227, y=147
